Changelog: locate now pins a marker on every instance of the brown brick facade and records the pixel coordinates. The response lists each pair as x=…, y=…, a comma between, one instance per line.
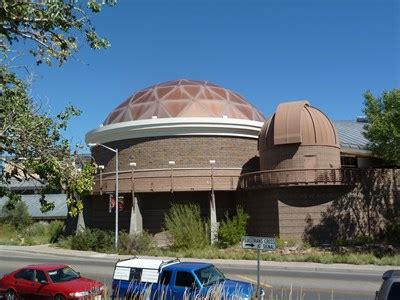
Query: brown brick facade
x=192, y=170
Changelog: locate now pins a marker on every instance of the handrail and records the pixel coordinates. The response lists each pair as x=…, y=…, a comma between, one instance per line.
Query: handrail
x=286, y=177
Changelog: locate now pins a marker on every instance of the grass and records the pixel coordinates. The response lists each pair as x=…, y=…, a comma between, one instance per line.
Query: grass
x=35, y=234
x=313, y=256
x=42, y=233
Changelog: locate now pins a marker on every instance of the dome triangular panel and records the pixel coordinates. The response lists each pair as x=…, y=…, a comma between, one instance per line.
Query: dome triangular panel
x=187, y=98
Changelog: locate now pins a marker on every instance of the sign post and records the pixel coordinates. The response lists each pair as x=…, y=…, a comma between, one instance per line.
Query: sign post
x=259, y=244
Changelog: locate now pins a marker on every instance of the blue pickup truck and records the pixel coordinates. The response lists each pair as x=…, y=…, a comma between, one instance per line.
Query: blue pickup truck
x=139, y=278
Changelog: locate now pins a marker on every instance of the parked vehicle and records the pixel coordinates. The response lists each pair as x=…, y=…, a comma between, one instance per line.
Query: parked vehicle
x=157, y=279
x=390, y=288
x=49, y=281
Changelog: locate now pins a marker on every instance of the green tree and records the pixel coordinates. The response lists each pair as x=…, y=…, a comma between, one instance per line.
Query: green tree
x=52, y=31
x=52, y=26
x=383, y=128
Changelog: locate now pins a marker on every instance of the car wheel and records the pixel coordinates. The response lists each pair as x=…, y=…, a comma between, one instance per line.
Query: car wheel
x=59, y=297
x=11, y=295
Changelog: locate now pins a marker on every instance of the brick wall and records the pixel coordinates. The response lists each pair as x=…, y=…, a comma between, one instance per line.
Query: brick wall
x=192, y=170
x=187, y=152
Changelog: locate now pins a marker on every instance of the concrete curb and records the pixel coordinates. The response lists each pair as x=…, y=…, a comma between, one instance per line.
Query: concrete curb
x=245, y=264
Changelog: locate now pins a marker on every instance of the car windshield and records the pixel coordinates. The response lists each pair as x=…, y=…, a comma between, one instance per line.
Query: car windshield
x=209, y=275
x=63, y=274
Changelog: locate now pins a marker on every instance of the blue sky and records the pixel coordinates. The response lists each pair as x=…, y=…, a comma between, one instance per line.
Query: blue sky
x=328, y=52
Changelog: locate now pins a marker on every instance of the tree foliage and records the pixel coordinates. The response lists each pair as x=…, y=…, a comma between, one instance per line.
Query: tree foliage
x=383, y=128
x=53, y=27
x=32, y=144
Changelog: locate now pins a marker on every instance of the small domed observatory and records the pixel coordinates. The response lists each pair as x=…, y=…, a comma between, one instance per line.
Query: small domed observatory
x=300, y=141
x=300, y=169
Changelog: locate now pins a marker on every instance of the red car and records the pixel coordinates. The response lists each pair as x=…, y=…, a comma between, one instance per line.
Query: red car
x=49, y=281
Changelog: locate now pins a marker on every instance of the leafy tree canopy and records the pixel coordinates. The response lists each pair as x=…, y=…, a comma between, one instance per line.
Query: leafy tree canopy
x=31, y=141
x=383, y=128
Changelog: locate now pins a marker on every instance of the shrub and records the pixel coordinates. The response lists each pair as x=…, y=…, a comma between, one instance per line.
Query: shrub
x=55, y=230
x=83, y=240
x=392, y=234
x=232, y=229
x=104, y=240
x=140, y=243
x=93, y=239
x=186, y=227
x=19, y=216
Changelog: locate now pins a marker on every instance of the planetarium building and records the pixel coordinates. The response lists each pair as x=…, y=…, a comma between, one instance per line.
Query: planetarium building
x=189, y=141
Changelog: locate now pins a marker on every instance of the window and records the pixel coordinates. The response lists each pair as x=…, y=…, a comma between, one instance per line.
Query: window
x=63, y=274
x=209, y=275
x=185, y=279
x=394, y=293
x=348, y=161
x=136, y=274
x=40, y=277
x=26, y=274
x=165, y=277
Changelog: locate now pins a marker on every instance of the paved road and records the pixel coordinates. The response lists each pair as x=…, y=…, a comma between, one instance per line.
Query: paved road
x=321, y=284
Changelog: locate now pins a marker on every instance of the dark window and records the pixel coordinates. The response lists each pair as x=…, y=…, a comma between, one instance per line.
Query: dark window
x=185, y=279
x=136, y=274
x=40, y=276
x=348, y=161
x=394, y=293
x=26, y=274
x=166, y=277
x=63, y=274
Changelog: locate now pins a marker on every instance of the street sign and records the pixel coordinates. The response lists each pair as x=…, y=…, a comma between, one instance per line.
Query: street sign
x=258, y=243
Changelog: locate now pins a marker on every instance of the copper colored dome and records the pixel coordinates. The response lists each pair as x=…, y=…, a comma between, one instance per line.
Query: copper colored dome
x=298, y=123
x=184, y=98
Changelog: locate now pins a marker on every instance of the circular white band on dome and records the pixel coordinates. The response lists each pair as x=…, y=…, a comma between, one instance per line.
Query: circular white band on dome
x=174, y=127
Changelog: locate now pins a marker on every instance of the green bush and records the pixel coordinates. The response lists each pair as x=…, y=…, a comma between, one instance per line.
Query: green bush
x=232, y=229
x=140, y=243
x=55, y=230
x=36, y=229
x=18, y=216
x=94, y=240
x=186, y=227
x=83, y=240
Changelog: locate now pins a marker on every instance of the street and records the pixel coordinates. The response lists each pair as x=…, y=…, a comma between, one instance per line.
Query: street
x=277, y=283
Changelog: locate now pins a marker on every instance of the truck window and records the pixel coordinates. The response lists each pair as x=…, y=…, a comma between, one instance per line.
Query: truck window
x=135, y=274
x=185, y=279
x=394, y=293
x=165, y=277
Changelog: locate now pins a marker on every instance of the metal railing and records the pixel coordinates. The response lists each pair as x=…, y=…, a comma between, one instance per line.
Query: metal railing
x=297, y=177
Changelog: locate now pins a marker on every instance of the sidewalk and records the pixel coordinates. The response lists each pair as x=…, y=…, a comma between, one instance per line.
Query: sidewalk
x=292, y=266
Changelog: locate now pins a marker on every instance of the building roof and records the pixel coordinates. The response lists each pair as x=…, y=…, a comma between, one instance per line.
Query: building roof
x=184, y=98
x=33, y=204
x=351, y=135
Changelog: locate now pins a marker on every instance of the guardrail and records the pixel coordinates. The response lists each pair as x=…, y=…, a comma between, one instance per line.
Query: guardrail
x=296, y=177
